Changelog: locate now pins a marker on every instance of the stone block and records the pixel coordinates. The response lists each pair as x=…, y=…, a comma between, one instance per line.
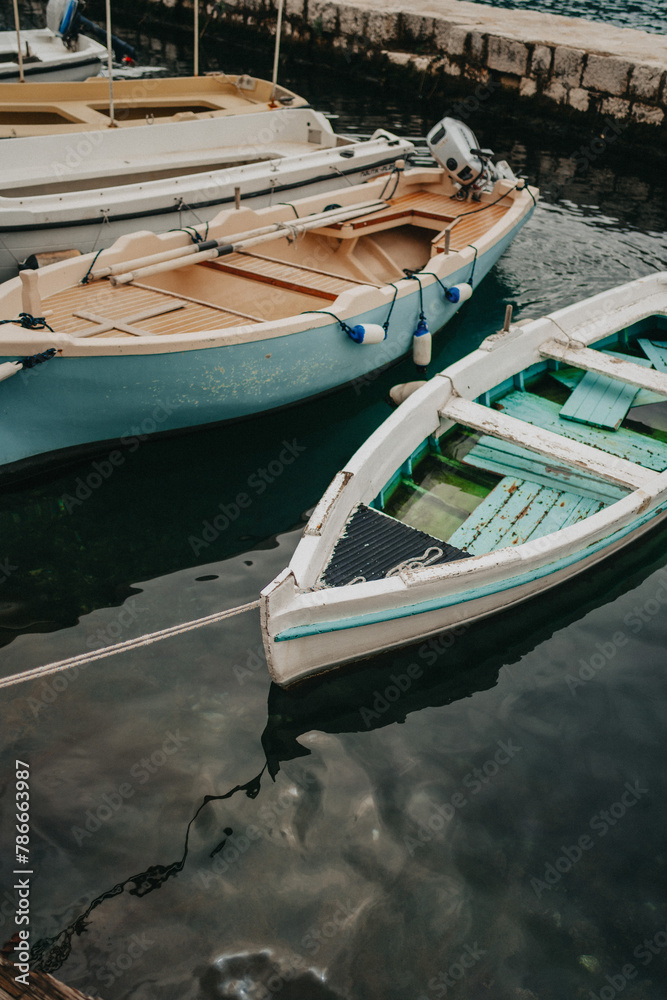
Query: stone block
x=648, y=115
x=615, y=106
x=507, y=55
x=541, y=61
x=568, y=65
x=527, y=87
x=450, y=38
x=352, y=22
x=557, y=91
x=293, y=8
x=579, y=99
x=607, y=74
x=477, y=46
x=322, y=15
x=382, y=28
x=418, y=27
x=645, y=81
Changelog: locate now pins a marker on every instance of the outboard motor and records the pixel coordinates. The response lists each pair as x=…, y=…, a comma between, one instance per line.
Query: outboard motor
x=61, y=16
x=455, y=148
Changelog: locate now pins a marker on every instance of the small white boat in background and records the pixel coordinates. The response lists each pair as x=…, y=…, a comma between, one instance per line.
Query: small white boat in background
x=52, y=54
x=62, y=192
x=529, y=461
x=272, y=307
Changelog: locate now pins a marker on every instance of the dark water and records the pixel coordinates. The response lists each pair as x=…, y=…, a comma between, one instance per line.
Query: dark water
x=475, y=838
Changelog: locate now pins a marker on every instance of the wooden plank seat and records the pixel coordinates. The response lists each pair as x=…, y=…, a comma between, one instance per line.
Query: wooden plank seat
x=625, y=444
x=533, y=436
x=518, y=510
x=506, y=459
x=605, y=364
x=602, y=401
x=656, y=351
x=282, y=274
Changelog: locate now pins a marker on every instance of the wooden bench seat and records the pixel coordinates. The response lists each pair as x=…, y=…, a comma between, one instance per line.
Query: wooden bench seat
x=602, y=401
x=282, y=274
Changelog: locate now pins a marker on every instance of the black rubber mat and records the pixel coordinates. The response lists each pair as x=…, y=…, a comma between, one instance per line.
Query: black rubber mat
x=374, y=544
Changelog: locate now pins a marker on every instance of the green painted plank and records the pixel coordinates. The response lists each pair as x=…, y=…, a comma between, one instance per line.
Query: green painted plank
x=517, y=511
x=602, y=401
x=624, y=443
x=507, y=459
x=566, y=511
x=656, y=351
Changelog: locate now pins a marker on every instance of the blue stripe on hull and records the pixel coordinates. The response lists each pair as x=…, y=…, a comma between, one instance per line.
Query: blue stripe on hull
x=69, y=402
x=463, y=597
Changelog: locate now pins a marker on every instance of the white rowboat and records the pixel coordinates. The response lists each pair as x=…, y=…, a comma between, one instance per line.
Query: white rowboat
x=529, y=461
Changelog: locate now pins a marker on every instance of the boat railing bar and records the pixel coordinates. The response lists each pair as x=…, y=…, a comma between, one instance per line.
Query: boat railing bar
x=544, y=442
x=193, y=248
x=605, y=364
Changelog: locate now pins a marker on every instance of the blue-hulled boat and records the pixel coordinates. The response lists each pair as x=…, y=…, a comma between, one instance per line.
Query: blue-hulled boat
x=529, y=461
x=161, y=333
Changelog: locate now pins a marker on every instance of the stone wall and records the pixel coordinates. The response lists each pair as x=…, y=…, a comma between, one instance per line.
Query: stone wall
x=565, y=63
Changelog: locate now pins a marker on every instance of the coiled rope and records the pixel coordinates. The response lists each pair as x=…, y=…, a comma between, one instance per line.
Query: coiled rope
x=143, y=640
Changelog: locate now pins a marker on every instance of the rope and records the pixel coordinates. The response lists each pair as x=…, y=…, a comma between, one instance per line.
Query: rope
x=474, y=261
x=192, y=233
x=344, y=326
x=29, y=322
x=385, y=325
x=417, y=562
x=86, y=277
x=290, y=205
x=143, y=640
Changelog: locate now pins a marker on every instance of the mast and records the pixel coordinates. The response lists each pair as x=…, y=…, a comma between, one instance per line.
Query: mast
x=196, y=66
x=112, y=119
x=276, y=53
x=18, y=41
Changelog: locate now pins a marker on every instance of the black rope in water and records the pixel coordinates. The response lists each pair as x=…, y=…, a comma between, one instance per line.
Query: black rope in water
x=86, y=277
x=29, y=322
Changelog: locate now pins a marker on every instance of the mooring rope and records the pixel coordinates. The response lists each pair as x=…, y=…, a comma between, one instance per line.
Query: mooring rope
x=82, y=659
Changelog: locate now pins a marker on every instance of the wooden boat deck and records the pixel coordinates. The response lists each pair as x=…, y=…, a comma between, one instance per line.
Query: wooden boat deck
x=129, y=306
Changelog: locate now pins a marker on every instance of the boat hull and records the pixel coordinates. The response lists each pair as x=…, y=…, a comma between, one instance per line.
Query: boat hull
x=74, y=401
x=298, y=652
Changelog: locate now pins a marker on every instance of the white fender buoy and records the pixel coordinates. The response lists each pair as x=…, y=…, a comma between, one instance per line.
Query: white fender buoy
x=368, y=333
x=399, y=393
x=459, y=293
x=421, y=345
x=9, y=368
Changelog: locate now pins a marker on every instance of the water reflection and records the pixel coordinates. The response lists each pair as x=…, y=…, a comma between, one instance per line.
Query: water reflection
x=363, y=699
